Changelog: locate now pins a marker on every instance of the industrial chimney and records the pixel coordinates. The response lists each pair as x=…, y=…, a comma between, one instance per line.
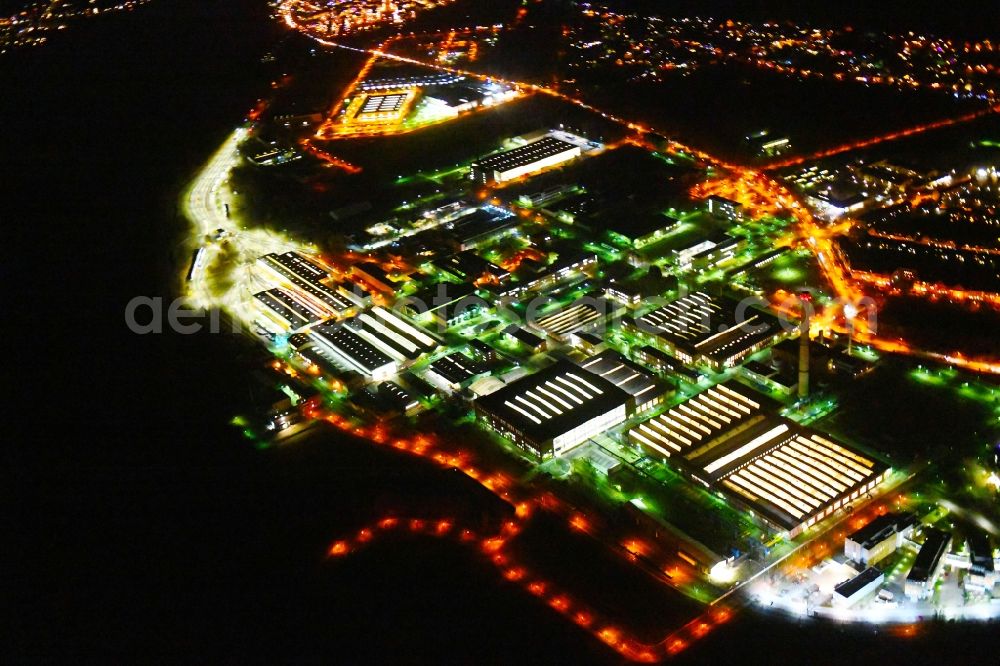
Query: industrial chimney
x=804, y=301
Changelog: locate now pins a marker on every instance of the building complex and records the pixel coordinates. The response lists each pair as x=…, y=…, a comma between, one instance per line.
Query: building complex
x=551, y=411
x=728, y=439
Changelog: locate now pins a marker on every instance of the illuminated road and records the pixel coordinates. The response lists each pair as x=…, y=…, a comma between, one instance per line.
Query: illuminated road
x=884, y=138
x=220, y=238
x=495, y=546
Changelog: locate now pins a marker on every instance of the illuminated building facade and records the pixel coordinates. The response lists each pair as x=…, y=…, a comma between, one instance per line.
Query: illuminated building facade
x=529, y=158
x=551, y=411
x=626, y=295
x=861, y=586
x=709, y=252
x=376, y=343
x=717, y=331
x=927, y=565
x=789, y=476
x=726, y=209
x=879, y=538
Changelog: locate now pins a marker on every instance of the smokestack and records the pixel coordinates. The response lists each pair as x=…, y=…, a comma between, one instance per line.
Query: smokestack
x=804, y=349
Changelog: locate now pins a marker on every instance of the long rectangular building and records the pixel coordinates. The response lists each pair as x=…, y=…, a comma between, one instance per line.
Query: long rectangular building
x=582, y=314
x=927, y=565
x=646, y=390
x=715, y=330
x=300, y=274
x=534, y=156
x=456, y=369
x=472, y=268
x=481, y=225
x=852, y=591
x=282, y=308
x=551, y=411
x=354, y=351
x=727, y=438
x=375, y=343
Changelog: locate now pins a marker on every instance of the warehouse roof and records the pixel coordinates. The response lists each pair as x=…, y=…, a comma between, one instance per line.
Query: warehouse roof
x=935, y=545
x=787, y=472
x=526, y=154
x=623, y=373
x=851, y=587
x=881, y=528
x=553, y=401
x=713, y=326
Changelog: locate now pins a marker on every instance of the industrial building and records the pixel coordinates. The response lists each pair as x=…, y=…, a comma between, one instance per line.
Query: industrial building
x=299, y=274
x=354, y=352
x=723, y=249
x=982, y=572
x=566, y=266
x=767, y=377
x=455, y=370
x=397, y=397
x=640, y=230
x=764, y=144
x=282, y=308
x=927, y=565
x=833, y=206
x=879, y=538
x=887, y=179
x=727, y=438
x=578, y=316
x=551, y=411
x=663, y=364
x=519, y=335
x=400, y=76
x=373, y=276
x=446, y=304
x=483, y=352
x=708, y=252
x=510, y=164
x=481, y=225
x=715, y=330
x=455, y=99
x=726, y=209
x=389, y=106
x=588, y=343
x=860, y=587
x=471, y=267
x=624, y=294
x=646, y=390
x=375, y=343
x=548, y=195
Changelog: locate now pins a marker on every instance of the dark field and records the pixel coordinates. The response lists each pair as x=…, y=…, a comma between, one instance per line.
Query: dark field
x=716, y=107
x=893, y=413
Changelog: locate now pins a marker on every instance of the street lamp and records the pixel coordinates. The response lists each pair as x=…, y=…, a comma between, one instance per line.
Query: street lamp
x=850, y=312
